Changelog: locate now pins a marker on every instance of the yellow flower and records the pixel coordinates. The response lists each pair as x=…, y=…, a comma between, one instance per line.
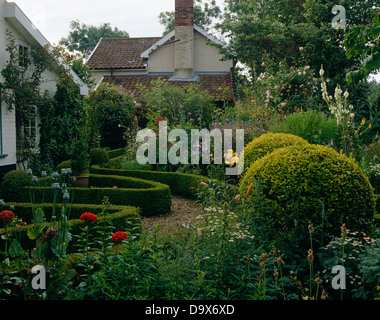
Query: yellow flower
x=370, y=126
x=231, y=158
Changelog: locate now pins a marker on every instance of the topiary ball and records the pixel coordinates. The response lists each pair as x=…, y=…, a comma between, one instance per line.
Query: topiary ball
x=312, y=183
x=99, y=156
x=13, y=184
x=63, y=165
x=267, y=143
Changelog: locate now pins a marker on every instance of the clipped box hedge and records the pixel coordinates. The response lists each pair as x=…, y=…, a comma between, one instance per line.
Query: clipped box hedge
x=124, y=218
x=377, y=210
x=180, y=183
x=116, y=153
x=151, y=197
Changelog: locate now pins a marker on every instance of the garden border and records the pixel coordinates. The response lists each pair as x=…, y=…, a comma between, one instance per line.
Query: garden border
x=125, y=218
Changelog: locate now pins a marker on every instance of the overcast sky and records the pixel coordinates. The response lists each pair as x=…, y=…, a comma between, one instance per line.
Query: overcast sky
x=138, y=17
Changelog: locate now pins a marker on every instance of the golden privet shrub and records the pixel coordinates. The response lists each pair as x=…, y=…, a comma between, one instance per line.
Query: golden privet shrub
x=308, y=183
x=267, y=143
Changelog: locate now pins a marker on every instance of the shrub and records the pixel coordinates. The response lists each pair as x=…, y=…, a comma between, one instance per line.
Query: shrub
x=289, y=88
x=63, y=165
x=313, y=183
x=116, y=153
x=313, y=126
x=124, y=191
x=267, y=143
x=13, y=183
x=179, y=106
x=98, y=156
x=180, y=183
x=110, y=108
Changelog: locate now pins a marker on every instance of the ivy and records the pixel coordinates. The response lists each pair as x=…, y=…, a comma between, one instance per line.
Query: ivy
x=60, y=115
x=20, y=90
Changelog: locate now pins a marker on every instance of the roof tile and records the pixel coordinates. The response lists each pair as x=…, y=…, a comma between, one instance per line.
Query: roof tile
x=220, y=86
x=117, y=53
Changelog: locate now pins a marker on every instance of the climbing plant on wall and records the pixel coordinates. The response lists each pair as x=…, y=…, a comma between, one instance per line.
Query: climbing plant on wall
x=21, y=92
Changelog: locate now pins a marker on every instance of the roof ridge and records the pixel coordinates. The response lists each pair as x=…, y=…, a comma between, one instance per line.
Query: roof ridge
x=131, y=38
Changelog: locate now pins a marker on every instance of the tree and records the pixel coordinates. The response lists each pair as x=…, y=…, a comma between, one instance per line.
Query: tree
x=204, y=13
x=291, y=31
x=364, y=41
x=83, y=37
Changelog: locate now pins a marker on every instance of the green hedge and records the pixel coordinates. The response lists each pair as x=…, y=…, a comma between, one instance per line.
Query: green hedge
x=180, y=183
x=377, y=210
x=124, y=218
x=116, y=153
x=129, y=192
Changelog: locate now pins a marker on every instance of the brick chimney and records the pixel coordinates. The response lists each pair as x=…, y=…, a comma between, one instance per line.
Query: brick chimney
x=184, y=35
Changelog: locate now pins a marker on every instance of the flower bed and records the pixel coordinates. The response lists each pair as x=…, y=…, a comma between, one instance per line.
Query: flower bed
x=123, y=218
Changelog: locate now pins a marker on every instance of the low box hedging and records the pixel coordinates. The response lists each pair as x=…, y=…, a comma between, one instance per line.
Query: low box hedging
x=124, y=218
x=116, y=153
x=180, y=183
x=151, y=197
x=377, y=210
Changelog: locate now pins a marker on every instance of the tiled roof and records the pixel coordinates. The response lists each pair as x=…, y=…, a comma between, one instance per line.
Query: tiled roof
x=220, y=86
x=120, y=53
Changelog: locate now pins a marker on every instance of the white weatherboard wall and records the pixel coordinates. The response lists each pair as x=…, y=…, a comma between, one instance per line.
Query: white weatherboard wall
x=8, y=118
x=13, y=20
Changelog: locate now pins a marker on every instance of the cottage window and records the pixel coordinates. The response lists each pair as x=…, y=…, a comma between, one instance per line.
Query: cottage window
x=23, y=56
x=1, y=131
x=30, y=127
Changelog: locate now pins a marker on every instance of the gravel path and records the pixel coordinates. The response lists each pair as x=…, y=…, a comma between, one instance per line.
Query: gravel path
x=183, y=211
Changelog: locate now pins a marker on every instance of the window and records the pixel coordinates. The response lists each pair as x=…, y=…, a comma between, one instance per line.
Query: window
x=30, y=127
x=1, y=131
x=23, y=56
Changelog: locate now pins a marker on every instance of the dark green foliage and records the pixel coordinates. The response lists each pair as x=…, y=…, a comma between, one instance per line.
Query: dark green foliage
x=179, y=183
x=63, y=165
x=120, y=190
x=80, y=158
x=110, y=110
x=313, y=126
x=13, y=183
x=313, y=183
x=99, y=156
x=83, y=37
x=116, y=153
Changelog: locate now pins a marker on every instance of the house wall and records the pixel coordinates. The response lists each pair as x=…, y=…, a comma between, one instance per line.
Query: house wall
x=8, y=123
x=8, y=118
x=206, y=57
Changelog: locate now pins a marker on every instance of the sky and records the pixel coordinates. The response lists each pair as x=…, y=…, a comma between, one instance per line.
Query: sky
x=138, y=17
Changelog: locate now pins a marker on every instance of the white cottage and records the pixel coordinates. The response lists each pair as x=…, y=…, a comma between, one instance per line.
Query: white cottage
x=27, y=36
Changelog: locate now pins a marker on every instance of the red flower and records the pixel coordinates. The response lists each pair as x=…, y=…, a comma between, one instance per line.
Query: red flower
x=89, y=217
x=161, y=118
x=7, y=215
x=119, y=235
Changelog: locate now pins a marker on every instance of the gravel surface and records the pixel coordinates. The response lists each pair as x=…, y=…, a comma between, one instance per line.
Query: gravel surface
x=183, y=211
